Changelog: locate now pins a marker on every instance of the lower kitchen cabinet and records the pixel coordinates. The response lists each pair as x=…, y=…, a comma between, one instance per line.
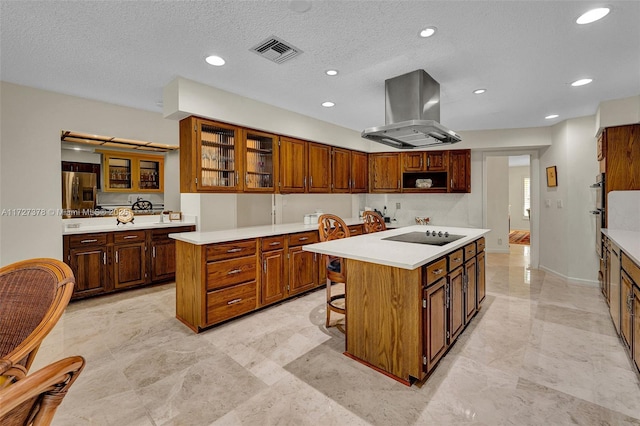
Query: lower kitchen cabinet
x=435, y=320
x=470, y=291
x=303, y=265
x=111, y=261
x=457, y=317
x=636, y=327
x=272, y=284
x=626, y=294
x=481, y=285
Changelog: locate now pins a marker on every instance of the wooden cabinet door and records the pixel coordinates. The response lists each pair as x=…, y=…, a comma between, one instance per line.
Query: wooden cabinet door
x=293, y=165
x=636, y=327
x=436, y=161
x=272, y=285
x=623, y=158
x=481, y=281
x=359, y=172
x=460, y=171
x=319, y=168
x=435, y=322
x=613, y=297
x=384, y=172
x=163, y=260
x=341, y=170
x=260, y=160
x=303, y=270
x=413, y=161
x=456, y=304
x=89, y=265
x=470, y=291
x=626, y=293
x=129, y=265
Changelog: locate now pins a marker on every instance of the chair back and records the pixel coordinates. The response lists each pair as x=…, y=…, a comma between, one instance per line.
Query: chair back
x=373, y=222
x=34, y=399
x=331, y=227
x=33, y=293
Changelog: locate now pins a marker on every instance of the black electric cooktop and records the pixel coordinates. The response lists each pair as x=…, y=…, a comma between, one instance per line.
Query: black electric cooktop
x=423, y=238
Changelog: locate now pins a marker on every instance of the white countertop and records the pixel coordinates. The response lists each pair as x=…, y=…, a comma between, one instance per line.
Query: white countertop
x=371, y=247
x=109, y=224
x=628, y=241
x=201, y=238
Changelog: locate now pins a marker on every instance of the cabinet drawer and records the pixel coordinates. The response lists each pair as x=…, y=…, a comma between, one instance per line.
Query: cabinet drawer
x=356, y=230
x=228, y=272
x=231, y=302
x=129, y=237
x=76, y=241
x=469, y=251
x=272, y=243
x=480, y=245
x=436, y=270
x=455, y=259
x=231, y=250
x=303, y=238
x=631, y=268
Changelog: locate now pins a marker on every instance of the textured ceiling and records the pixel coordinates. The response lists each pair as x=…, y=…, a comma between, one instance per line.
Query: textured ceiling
x=525, y=53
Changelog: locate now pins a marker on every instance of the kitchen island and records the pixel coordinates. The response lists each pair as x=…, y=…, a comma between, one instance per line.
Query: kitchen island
x=408, y=302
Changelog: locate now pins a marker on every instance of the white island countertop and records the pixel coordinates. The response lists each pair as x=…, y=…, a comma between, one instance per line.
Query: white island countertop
x=235, y=234
x=372, y=248
x=628, y=241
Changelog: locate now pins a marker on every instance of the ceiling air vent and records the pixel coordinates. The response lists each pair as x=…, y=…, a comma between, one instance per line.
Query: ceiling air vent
x=276, y=50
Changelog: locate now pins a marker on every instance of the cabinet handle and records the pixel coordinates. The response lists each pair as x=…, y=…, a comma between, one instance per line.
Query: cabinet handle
x=428, y=162
x=437, y=271
x=116, y=256
x=457, y=259
x=310, y=181
x=234, y=250
x=398, y=183
x=236, y=182
x=88, y=241
x=154, y=251
x=246, y=179
x=234, y=271
x=451, y=183
x=303, y=239
x=275, y=243
x=128, y=237
x=234, y=301
x=304, y=183
x=104, y=258
x=264, y=265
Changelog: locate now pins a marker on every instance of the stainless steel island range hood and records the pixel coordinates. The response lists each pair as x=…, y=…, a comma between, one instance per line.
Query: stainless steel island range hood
x=412, y=114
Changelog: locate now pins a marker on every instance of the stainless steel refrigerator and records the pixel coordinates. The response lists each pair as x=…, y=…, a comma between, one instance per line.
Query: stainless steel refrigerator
x=79, y=191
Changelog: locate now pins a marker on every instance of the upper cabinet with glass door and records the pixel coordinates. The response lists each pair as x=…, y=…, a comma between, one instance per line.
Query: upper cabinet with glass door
x=124, y=172
x=260, y=161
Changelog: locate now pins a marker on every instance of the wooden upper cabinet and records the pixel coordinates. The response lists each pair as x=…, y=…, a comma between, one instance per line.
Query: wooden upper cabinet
x=460, y=170
x=413, y=162
x=341, y=170
x=210, y=156
x=260, y=161
x=125, y=172
x=293, y=165
x=319, y=168
x=622, y=157
x=359, y=172
x=437, y=161
x=425, y=161
x=384, y=172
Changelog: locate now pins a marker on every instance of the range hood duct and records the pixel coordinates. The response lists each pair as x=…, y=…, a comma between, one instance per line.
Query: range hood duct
x=412, y=114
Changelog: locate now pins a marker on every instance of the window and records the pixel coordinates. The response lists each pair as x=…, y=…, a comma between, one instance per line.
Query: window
x=526, y=204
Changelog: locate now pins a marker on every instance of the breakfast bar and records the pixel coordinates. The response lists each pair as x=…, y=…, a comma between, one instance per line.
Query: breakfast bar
x=407, y=302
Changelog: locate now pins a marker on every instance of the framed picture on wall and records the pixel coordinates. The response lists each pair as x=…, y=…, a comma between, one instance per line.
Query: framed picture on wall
x=552, y=177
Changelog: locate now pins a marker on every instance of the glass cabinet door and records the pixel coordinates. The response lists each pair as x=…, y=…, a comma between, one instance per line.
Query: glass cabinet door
x=118, y=173
x=218, y=162
x=149, y=175
x=259, y=161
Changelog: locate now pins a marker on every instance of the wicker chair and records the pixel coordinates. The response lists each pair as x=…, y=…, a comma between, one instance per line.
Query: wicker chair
x=34, y=399
x=33, y=293
x=331, y=227
x=373, y=222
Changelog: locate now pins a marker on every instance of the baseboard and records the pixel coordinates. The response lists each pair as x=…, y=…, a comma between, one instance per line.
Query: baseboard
x=578, y=280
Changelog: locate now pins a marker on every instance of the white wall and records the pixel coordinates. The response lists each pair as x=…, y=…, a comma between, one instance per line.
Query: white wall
x=254, y=209
x=497, y=204
x=567, y=229
x=516, y=197
x=30, y=161
x=293, y=207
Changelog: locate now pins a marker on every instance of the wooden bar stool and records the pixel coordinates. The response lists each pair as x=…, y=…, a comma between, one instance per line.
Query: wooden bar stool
x=331, y=227
x=373, y=222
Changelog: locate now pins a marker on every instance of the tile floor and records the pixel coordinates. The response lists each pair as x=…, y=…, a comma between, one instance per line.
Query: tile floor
x=542, y=351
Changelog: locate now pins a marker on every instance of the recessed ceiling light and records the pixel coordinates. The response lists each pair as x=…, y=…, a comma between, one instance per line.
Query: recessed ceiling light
x=581, y=82
x=428, y=32
x=300, y=6
x=215, y=60
x=593, y=15
x=328, y=104
x=331, y=72
x=551, y=116
x=479, y=91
